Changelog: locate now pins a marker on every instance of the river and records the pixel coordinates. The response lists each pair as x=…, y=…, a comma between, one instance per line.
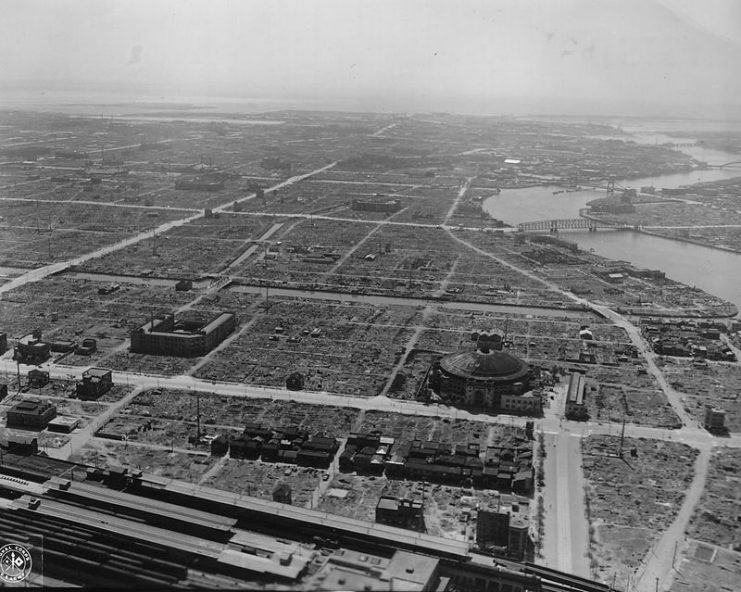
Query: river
x=713, y=270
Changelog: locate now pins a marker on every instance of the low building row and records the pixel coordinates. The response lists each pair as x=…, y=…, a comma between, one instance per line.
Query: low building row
x=289, y=445
x=504, y=469
x=684, y=338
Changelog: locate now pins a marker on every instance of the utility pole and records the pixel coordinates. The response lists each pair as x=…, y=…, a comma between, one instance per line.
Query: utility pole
x=622, y=438
x=49, y=241
x=198, y=417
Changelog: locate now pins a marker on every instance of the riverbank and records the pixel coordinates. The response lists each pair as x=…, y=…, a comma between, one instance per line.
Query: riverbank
x=711, y=208
x=683, y=239
x=690, y=241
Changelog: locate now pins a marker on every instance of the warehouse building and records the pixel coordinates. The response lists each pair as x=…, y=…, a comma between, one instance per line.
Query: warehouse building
x=401, y=512
x=170, y=337
x=576, y=405
x=31, y=350
x=31, y=415
x=95, y=382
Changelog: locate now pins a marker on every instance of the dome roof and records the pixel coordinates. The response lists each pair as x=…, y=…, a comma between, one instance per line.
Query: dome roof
x=491, y=365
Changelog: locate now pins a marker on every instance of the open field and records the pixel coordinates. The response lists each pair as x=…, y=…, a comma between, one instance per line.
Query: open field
x=631, y=499
x=170, y=417
x=706, y=568
x=613, y=403
x=349, y=348
x=260, y=479
x=164, y=462
x=37, y=233
x=205, y=246
x=715, y=383
x=715, y=520
x=35, y=305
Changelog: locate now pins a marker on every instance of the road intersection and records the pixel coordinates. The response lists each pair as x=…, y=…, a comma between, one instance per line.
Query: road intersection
x=564, y=492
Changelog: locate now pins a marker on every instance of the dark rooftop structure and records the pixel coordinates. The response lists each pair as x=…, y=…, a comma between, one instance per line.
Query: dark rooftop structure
x=31, y=350
x=170, y=337
x=486, y=377
x=95, y=382
x=30, y=414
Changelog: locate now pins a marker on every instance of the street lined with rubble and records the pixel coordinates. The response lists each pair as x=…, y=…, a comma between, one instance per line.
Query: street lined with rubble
x=358, y=298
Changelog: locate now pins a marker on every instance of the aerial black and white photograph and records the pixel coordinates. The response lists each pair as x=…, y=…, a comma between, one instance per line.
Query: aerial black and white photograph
x=370, y=295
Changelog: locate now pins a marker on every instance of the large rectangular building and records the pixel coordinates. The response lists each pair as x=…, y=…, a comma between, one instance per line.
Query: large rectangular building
x=28, y=414
x=30, y=350
x=168, y=337
x=95, y=382
x=576, y=405
x=404, y=513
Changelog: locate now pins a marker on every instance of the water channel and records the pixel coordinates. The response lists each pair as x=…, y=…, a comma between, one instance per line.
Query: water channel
x=714, y=270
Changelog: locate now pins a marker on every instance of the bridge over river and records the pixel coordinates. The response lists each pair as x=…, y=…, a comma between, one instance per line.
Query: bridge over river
x=554, y=226
x=733, y=163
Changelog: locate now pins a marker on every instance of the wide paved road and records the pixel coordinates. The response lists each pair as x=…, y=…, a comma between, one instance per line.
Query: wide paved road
x=566, y=541
x=36, y=275
x=566, y=493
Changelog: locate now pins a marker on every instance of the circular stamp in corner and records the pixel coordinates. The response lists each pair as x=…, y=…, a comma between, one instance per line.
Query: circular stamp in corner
x=15, y=563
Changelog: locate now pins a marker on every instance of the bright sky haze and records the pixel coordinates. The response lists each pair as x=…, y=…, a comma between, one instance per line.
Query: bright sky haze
x=468, y=55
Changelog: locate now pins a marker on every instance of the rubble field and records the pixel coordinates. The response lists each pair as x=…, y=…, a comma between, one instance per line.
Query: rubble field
x=615, y=403
x=715, y=519
x=706, y=568
x=260, y=479
x=163, y=462
x=170, y=418
x=631, y=499
x=448, y=511
x=713, y=383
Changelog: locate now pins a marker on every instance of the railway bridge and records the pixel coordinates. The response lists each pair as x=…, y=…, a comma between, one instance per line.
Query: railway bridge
x=554, y=226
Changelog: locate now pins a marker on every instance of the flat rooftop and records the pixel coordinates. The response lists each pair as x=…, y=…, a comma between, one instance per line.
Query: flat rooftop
x=141, y=504
x=390, y=534
x=192, y=545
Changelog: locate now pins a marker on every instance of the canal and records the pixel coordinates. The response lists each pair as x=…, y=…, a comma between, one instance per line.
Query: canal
x=713, y=270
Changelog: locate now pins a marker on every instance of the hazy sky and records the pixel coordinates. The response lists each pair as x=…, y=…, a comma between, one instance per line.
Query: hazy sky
x=397, y=53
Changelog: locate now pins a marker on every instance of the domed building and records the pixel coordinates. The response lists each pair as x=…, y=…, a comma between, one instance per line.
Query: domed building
x=487, y=377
